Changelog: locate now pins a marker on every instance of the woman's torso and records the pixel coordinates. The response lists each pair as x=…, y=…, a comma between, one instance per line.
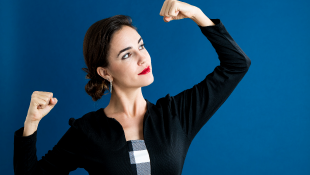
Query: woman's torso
x=138, y=154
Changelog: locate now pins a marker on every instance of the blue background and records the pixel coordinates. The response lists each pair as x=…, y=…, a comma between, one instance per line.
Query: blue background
x=262, y=128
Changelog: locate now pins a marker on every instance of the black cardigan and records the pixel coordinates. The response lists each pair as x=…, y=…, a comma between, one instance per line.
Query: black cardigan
x=97, y=143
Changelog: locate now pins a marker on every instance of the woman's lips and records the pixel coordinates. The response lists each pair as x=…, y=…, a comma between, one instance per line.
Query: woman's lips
x=145, y=71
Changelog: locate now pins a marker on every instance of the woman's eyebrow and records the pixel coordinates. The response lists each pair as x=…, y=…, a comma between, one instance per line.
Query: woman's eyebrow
x=127, y=48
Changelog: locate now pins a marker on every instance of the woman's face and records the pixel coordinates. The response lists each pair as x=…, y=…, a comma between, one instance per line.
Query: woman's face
x=127, y=59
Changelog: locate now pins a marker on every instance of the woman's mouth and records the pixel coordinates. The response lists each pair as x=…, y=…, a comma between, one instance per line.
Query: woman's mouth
x=145, y=71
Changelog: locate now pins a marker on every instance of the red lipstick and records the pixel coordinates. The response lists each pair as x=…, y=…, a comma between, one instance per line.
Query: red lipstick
x=145, y=71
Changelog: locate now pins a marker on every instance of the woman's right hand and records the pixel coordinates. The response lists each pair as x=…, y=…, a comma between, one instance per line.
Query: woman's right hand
x=40, y=105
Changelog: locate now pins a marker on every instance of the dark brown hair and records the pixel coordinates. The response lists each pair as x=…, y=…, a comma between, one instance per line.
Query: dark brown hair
x=96, y=48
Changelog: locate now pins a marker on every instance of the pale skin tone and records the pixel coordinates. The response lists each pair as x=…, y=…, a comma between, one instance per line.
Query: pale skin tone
x=127, y=104
x=126, y=99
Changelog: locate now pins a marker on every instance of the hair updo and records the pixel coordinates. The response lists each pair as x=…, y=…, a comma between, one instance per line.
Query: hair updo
x=96, y=48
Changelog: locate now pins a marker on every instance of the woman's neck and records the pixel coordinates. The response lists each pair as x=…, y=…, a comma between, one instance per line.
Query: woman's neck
x=126, y=104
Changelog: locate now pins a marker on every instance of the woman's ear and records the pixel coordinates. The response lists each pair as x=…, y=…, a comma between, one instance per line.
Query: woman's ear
x=103, y=72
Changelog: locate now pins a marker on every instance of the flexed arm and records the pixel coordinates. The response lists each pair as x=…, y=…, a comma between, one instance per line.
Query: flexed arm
x=195, y=106
x=62, y=159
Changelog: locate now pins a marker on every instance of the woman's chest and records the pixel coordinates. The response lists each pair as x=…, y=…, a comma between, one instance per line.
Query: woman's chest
x=133, y=128
x=162, y=142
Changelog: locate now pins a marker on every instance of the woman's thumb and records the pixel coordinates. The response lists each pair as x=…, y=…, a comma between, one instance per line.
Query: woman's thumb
x=167, y=19
x=54, y=100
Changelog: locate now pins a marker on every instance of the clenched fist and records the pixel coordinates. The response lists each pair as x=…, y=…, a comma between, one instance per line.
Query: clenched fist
x=40, y=105
x=175, y=10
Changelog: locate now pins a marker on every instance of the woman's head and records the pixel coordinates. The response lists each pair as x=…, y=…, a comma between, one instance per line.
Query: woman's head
x=108, y=60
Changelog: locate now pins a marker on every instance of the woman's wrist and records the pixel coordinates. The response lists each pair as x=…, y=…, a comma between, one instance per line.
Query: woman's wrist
x=30, y=128
x=201, y=19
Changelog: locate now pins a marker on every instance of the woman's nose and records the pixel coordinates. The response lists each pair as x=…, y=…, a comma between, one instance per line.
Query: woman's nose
x=142, y=58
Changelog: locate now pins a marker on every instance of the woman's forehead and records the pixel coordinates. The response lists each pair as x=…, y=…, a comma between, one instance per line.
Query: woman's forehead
x=126, y=34
x=125, y=38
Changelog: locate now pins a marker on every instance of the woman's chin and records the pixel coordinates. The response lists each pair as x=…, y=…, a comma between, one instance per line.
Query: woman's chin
x=148, y=80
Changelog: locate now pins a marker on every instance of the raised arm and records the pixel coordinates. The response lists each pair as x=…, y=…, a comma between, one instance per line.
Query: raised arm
x=195, y=106
x=62, y=159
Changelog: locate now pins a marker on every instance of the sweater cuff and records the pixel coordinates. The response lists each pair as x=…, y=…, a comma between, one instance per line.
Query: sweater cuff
x=217, y=27
x=19, y=138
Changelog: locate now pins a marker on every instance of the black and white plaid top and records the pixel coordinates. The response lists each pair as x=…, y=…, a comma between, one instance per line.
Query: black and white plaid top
x=139, y=157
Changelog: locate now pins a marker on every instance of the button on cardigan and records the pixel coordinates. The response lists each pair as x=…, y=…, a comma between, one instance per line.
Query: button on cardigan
x=97, y=143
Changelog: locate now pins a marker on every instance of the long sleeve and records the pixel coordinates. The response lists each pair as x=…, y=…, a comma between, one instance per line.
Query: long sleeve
x=195, y=106
x=62, y=159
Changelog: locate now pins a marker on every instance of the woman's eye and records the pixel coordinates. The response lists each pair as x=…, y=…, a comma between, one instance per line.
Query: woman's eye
x=125, y=55
x=130, y=53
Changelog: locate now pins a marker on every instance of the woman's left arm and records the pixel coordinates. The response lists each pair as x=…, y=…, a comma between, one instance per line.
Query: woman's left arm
x=195, y=106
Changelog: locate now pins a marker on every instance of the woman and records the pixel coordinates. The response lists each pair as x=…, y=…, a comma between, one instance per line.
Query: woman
x=132, y=135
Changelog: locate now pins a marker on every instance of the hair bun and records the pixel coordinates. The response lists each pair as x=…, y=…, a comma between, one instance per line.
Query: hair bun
x=88, y=76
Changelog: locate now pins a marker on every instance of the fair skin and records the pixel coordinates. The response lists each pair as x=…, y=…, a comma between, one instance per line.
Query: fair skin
x=126, y=98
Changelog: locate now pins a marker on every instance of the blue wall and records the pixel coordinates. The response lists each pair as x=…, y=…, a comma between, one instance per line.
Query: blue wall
x=262, y=128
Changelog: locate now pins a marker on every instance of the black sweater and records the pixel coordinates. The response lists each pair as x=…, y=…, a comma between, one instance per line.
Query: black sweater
x=97, y=143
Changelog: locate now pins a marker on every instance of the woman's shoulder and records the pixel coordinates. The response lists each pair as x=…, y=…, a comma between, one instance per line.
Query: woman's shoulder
x=163, y=101
x=86, y=121
x=162, y=106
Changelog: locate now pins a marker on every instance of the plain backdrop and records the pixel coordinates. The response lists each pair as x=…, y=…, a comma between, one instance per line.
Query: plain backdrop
x=262, y=128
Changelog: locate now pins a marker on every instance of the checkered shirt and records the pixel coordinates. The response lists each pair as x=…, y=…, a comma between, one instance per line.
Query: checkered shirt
x=139, y=157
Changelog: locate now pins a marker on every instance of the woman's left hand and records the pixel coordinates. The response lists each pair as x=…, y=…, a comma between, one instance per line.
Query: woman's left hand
x=175, y=10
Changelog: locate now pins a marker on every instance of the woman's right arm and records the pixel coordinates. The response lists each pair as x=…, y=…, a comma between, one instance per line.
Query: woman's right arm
x=62, y=159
